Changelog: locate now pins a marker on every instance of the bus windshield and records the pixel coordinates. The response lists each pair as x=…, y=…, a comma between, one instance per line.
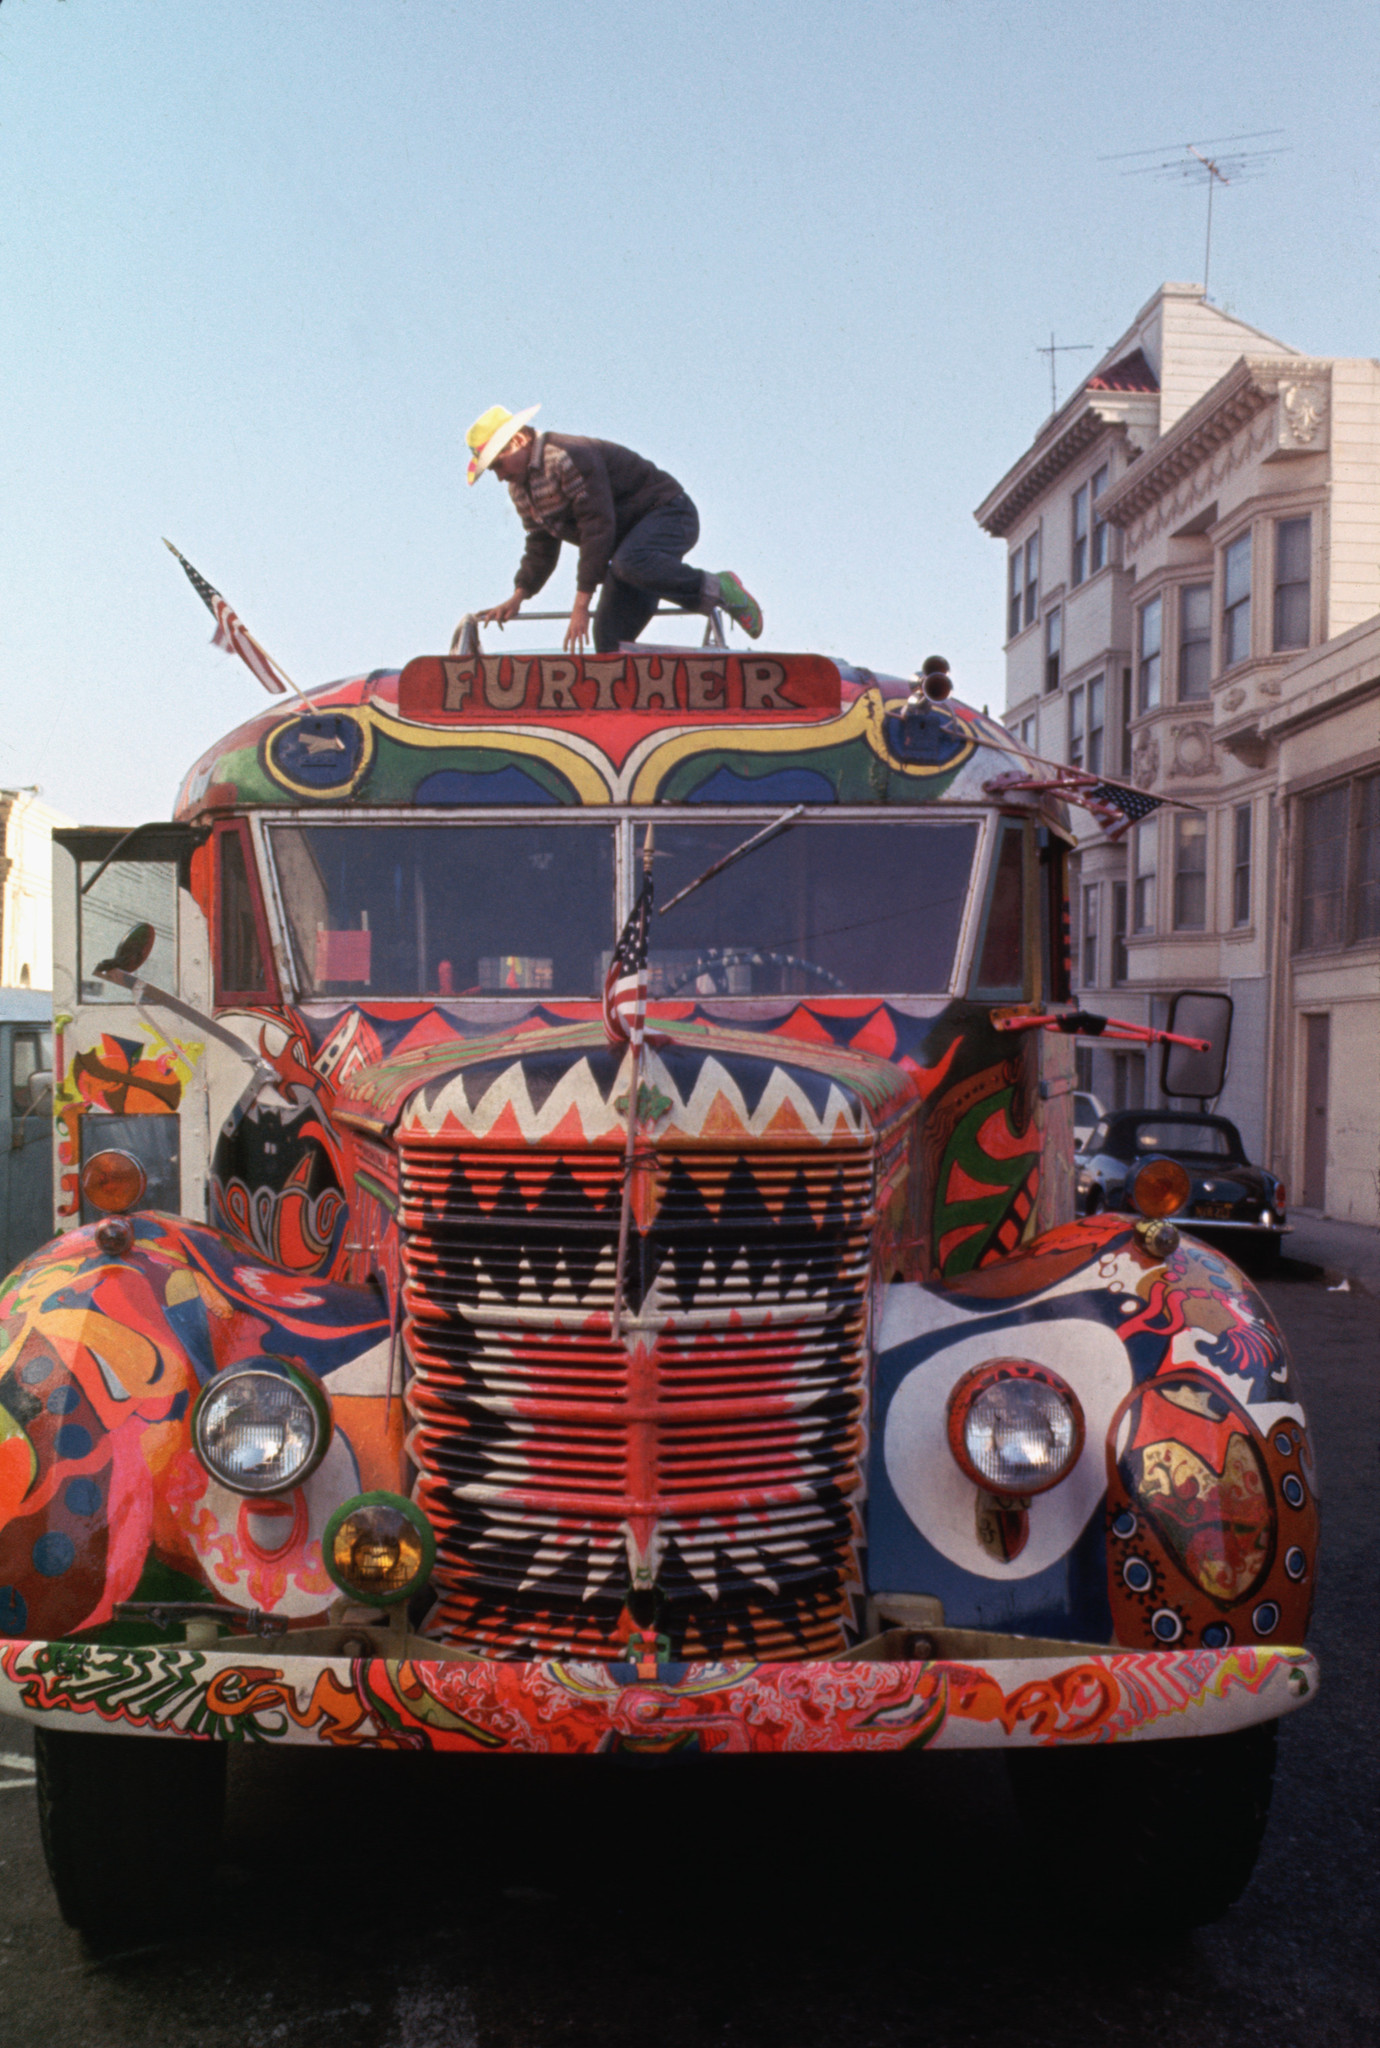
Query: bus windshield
x=829, y=907
x=460, y=909
x=465, y=910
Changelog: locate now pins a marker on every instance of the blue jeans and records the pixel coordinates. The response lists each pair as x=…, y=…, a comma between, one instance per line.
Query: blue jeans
x=646, y=566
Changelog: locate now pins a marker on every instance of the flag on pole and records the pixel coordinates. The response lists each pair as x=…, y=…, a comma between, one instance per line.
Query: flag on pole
x=230, y=634
x=1115, y=805
x=625, y=984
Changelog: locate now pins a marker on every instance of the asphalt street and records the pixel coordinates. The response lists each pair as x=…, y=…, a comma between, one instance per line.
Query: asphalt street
x=386, y=1902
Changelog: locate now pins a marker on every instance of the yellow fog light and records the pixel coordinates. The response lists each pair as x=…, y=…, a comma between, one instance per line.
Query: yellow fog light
x=379, y=1547
x=1160, y=1188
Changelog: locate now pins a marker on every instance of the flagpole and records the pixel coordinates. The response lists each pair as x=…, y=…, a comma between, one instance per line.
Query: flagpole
x=210, y=598
x=630, y=1144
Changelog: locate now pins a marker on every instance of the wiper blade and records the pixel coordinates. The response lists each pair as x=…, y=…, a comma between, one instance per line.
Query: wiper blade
x=781, y=824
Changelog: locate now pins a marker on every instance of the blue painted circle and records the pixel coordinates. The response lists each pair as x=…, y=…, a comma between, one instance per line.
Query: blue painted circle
x=320, y=751
x=1216, y=1636
x=1265, y=1620
x=1295, y=1563
x=1124, y=1525
x=1166, y=1626
x=1138, y=1575
x=1283, y=1444
x=36, y=1371
x=72, y=1441
x=63, y=1400
x=1291, y=1486
x=81, y=1497
x=54, y=1554
x=14, y=1611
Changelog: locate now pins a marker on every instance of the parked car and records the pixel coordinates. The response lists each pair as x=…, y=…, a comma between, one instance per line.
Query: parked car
x=1223, y=1193
x=1087, y=1115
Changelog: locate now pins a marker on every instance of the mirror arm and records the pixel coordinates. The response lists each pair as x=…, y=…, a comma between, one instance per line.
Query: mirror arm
x=149, y=992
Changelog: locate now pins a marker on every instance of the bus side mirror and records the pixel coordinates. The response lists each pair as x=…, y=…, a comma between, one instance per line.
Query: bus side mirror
x=132, y=951
x=1197, y=1013
x=40, y=1085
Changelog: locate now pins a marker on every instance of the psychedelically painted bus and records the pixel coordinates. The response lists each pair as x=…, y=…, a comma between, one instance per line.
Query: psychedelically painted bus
x=427, y=1360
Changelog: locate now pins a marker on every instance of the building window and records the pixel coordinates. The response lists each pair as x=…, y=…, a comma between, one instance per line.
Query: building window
x=1195, y=643
x=1339, y=866
x=1151, y=628
x=1076, y=728
x=1124, y=762
x=1088, y=952
x=1147, y=857
x=1032, y=577
x=1236, y=602
x=1080, y=535
x=1121, y=971
x=1367, y=866
x=1013, y=597
x=1101, y=551
x=1241, y=865
x=1292, y=552
x=1190, y=874
x=1097, y=719
x=1322, y=867
x=1028, y=734
x=1054, y=634
x=1087, y=721
x=1128, y=1080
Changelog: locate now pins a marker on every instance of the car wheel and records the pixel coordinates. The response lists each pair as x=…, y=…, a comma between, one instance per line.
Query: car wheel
x=131, y=1826
x=1167, y=1829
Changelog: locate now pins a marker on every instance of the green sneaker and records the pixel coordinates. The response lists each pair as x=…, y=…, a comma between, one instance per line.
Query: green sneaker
x=742, y=607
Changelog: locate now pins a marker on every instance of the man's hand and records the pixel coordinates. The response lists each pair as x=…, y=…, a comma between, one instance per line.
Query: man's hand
x=577, y=632
x=499, y=614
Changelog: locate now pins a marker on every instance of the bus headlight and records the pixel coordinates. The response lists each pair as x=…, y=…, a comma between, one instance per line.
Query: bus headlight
x=1015, y=1428
x=262, y=1428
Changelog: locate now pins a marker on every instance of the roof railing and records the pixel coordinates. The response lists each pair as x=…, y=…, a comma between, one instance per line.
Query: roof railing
x=466, y=637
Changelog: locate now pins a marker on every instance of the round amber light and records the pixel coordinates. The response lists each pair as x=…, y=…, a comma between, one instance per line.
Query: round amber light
x=1161, y=1187
x=379, y=1548
x=113, y=1182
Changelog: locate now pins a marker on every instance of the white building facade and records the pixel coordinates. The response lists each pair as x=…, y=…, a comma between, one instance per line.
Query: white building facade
x=26, y=889
x=1199, y=515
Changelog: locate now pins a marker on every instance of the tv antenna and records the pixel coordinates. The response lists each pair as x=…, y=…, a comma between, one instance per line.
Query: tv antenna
x=1054, y=351
x=1190, y=160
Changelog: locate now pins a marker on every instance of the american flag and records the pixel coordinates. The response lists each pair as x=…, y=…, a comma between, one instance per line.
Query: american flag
x=1115, y=805
x=230, y=634
x=625, y=984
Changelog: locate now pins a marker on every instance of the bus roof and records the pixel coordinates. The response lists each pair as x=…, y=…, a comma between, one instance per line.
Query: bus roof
x=648, y=725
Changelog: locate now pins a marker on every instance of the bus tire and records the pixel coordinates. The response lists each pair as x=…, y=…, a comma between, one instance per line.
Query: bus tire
x=131, y=1826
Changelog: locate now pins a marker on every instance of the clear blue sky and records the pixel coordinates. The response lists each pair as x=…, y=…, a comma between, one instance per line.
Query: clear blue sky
x=262, y=261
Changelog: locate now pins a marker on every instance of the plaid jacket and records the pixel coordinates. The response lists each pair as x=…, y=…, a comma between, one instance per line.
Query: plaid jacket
x=591, y=493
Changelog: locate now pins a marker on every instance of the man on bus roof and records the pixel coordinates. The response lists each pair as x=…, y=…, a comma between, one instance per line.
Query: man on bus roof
x=632, y=523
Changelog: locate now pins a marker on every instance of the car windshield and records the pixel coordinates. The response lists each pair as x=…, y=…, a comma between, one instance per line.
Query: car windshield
x=466, y=910
x=829, y=906
x=1202, y=1141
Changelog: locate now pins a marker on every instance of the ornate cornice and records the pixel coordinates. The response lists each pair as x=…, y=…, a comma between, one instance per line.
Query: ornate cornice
x=1135, y=414
x=1300, y=391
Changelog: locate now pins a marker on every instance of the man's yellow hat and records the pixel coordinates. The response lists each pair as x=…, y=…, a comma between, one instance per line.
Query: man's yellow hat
x=490, y=435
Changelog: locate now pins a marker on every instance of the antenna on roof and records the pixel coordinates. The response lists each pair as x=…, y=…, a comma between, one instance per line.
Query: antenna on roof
x=1190, y=160
x=1054, y=351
